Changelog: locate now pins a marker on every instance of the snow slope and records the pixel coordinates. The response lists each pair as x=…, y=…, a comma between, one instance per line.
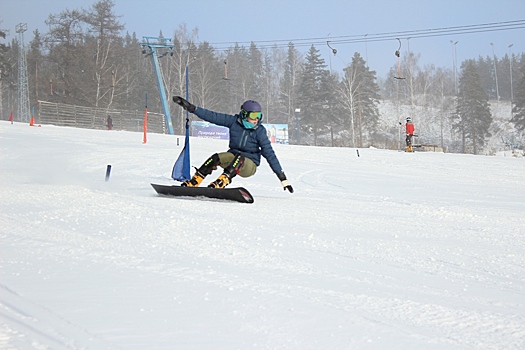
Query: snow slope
x=388, y=250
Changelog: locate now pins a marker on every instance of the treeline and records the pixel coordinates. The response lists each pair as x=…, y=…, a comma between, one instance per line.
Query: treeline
x=83, y=59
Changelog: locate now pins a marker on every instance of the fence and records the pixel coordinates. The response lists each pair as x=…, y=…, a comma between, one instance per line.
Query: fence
x=95, y=118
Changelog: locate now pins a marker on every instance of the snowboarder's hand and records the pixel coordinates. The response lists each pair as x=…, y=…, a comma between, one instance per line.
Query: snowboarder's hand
x=287, y=186
x=285, y=183
x=184, y=104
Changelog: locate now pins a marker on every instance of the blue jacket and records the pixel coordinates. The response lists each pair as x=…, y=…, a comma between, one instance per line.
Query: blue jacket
x=252, y=143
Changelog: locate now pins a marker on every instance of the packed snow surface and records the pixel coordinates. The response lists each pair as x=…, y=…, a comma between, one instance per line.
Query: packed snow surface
x=376, y=249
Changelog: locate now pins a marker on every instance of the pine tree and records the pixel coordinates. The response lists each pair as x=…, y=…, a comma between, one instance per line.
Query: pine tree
x=518, y=108
x=137, y=75
x=4, y=66
x=334, y=111
x=255, y=73
x=240, y=76
x=312, y=99
x=289, y=86
x=474, y=117
x=34, y=67
x=269, y=89
x=66, y=55
x=485, y=69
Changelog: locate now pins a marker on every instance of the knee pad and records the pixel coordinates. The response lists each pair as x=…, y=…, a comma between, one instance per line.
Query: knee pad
x=210, y=165
x=235, y=166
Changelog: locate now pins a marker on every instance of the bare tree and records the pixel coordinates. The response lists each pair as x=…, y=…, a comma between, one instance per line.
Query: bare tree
x=208, y=86
x=104, y=42
x=185, y=54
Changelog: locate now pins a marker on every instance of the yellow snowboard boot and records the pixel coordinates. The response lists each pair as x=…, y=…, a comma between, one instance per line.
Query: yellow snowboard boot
x=195, y=181
x=221, y=182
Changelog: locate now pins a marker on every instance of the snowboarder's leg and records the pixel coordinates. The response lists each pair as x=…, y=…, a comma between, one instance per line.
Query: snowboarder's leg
x=230, y=171
x=248, y=169
x=409, y=143
x=206, y=169
x=225, y=159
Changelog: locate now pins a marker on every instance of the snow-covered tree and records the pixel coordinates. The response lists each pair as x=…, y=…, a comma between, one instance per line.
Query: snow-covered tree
x=312, y=97
x=473, y=116
x=518, y=106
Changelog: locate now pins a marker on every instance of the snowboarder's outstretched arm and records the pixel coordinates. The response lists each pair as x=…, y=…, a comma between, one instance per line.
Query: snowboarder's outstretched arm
x=268, y=153
x=209, y=116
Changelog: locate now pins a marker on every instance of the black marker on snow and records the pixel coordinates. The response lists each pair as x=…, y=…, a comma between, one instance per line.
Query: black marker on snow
x=108, y=172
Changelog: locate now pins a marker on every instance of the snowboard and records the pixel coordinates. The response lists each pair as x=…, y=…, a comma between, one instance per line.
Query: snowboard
x=237, y=194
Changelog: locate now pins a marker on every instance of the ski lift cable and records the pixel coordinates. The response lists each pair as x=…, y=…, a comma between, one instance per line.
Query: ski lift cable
x=349, y=39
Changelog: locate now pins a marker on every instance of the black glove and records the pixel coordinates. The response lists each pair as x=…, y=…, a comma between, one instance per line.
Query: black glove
x=184, y=104
x=285, y=183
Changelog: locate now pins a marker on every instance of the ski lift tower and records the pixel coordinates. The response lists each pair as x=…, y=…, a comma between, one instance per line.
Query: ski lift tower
x=158, y=47
x=23, y=86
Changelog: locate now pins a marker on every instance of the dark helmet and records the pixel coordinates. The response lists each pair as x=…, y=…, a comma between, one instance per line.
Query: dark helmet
x=409, y=119
x=251, y=109
x=251, y=106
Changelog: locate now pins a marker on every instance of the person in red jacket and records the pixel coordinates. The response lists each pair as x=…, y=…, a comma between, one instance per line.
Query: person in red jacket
x=410, y=133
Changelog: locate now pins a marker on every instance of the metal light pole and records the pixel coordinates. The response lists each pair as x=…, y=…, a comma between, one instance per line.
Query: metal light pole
x=187, y=73
x=366, y=50
x=495, y=71
x=511, y=89
x=297, y=135
x=187, y=92
x=455, y=65
x=24, y=112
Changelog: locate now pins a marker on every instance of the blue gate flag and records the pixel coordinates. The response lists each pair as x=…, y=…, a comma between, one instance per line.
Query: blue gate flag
x=181, y=169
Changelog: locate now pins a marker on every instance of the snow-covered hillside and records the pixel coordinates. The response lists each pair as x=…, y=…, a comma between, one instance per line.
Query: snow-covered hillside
x=385, y=250
x=434, y=127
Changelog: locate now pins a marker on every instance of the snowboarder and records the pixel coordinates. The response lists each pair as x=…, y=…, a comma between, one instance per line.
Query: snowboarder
x=248, y=141
x=109, y=122
x=409, y=127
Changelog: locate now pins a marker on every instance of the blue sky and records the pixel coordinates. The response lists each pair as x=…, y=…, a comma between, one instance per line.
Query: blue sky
x=268, y=21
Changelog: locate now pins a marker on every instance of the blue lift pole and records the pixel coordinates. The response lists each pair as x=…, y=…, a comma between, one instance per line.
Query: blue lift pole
x=157, y=47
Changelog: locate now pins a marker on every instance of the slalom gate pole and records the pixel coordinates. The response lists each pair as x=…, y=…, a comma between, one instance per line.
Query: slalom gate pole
x=108, y=172
x=145, y=124
x=32, y=121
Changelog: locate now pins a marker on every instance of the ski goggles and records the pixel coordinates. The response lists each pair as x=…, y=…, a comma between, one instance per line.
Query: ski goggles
x=252, y=115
